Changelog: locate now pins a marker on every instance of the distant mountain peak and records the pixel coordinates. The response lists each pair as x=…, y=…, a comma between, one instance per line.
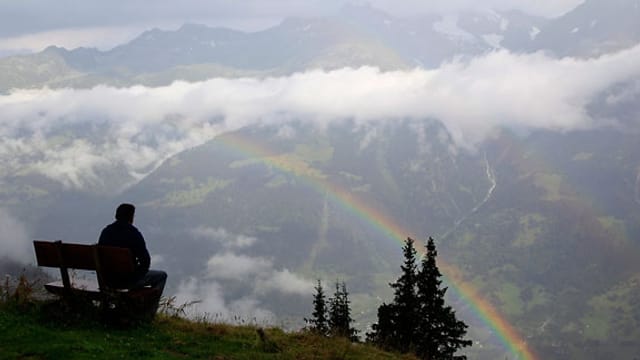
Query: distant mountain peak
x=193, y=26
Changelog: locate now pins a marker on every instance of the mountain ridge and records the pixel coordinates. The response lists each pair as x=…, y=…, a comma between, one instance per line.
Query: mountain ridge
x=357, y=36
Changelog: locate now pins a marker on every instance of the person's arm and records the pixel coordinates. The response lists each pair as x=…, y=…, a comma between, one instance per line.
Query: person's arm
x=141, y=252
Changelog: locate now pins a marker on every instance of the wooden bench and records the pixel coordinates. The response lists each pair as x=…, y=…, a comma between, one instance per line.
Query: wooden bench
x=108, y=263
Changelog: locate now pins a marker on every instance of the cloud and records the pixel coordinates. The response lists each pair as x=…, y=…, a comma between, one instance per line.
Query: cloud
x=230, y=266
x=259, y=272
x=157, y=260
x=69, y=135
x=222, y=236
x=14, y=240
x=286, y=282
x=626, y=95
x=209, y=296
x=255, y=278
x=546, y=8
x=207, y=299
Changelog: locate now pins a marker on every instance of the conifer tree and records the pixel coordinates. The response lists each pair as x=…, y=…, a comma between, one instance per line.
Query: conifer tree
x=383, y=333
x=405, y=301
x=439, y=333
x=318, y=321
x=417, y=320
x=340, y=314
x=397, y=321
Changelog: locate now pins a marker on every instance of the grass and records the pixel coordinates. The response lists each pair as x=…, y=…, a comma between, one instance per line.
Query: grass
x=315, y=153
x=31, y=329
x=596, y=326
x=509, y=295
x=582, y=156
x=195, y=193
x=538, y=298
x=551, y=183
x=616, y=230
x=530, y=230
x=31, y=334
x=615, y=313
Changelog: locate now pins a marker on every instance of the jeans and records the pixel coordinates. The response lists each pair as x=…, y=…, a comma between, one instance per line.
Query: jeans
x=154, y=278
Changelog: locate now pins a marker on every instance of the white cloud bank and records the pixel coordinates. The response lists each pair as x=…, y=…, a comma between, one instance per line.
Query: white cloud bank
x=223, y=237
x=207, y=299
x=547, y=8
x=258, y=278
x=235, y=286
x=69, y=134
x=229, y=266
x=257, y=271
x=15, y=243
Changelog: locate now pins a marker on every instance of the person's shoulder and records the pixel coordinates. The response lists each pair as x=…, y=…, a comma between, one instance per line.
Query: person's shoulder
x=107, y=234
x=109, y=227
x=118, y=227
x=135, y=230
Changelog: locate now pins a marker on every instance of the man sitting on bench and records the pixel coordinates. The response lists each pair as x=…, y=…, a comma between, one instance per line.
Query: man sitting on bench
x=122, y=233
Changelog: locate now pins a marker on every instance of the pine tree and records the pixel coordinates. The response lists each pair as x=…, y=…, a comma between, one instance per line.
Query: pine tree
x=340, y=314
x=439, y=333
x=397, y=322
x=417, y=320
x=405, y=300
x=383, y=333
x=350, y=332
x=318, y=321
x=335, y=311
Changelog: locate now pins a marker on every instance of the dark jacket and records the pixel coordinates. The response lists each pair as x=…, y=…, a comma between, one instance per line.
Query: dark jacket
x=123, y=234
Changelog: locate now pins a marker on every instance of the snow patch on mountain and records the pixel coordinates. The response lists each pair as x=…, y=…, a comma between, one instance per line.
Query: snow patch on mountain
x=534, y=33
x=493, y=40
x=448, y=25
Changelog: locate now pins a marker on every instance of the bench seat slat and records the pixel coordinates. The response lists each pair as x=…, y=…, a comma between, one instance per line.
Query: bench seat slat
x=80, y=285
x=83, y=288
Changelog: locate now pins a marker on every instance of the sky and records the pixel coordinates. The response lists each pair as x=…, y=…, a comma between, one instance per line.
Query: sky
x=31, y=25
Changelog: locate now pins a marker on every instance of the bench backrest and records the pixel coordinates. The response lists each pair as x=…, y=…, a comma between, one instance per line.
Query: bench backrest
x=108, y=262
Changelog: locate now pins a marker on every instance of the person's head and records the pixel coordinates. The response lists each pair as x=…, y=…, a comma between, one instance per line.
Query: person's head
x=125, y=212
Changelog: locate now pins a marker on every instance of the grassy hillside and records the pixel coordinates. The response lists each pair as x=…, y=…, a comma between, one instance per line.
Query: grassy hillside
x=40, y=331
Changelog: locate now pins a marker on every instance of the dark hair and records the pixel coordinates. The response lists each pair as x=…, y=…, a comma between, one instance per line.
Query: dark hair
x=125, y=212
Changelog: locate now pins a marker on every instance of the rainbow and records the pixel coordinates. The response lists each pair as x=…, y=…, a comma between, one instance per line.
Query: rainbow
x=381, y=222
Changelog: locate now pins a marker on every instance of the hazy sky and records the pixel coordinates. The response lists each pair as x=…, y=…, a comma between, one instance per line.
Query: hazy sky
x=34, y=24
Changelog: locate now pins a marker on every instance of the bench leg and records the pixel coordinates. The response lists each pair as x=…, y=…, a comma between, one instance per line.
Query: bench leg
x=138, y=305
